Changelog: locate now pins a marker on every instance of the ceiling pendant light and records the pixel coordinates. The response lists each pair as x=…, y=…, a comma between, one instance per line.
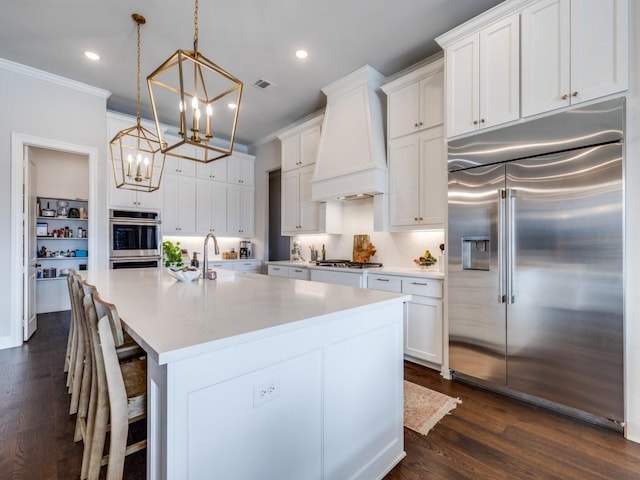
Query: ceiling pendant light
x=136, y=152
x=192, y=92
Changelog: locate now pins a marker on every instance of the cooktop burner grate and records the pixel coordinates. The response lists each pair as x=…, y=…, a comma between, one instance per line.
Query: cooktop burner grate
x=340, y=263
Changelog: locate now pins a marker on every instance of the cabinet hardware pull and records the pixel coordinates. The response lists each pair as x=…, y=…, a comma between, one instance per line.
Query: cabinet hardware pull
x=415, y=218
x=574, y=94
x=298, y=271
x=382, y=279
x=482, y=120
x=421, y=218
x=475, y=122
x=415, y=124
x=420, y=123
x=419, y=283
x=276, y=269
x=564, y=97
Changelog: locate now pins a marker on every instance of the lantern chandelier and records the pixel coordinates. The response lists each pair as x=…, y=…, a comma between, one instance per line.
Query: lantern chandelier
x=136, y=152
x=205, y=101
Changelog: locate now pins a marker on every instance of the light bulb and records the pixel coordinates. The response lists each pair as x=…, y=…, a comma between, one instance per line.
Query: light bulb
x=194, y=102
x=209, y=110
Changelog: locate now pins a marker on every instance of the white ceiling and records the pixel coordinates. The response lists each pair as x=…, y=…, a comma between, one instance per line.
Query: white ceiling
x=251, y=39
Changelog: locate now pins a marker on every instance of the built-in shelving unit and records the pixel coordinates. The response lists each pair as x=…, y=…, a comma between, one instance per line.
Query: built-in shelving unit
x=61, y=244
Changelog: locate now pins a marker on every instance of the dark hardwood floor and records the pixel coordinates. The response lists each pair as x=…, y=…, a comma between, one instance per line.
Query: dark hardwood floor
x=488, y=436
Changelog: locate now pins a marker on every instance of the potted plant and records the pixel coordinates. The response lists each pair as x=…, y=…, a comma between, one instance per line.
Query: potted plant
x=172, y=254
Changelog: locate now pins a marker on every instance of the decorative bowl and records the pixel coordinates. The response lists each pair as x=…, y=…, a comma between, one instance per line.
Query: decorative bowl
x=184, y=275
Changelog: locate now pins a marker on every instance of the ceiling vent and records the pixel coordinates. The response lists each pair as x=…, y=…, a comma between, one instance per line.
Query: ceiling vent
x=262, y=84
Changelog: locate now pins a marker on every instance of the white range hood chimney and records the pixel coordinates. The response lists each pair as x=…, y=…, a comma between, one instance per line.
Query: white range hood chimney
x=351, y=160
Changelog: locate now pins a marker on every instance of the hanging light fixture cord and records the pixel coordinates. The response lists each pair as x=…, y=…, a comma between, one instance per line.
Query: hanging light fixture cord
x=195, y=27
x=139, y=19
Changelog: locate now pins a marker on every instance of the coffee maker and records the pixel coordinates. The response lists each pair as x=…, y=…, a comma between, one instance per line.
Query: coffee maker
x=245, y=249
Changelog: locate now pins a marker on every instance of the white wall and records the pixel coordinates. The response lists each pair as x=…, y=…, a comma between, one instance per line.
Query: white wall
x=60, y=174
x=42, y=106
x=632, y=233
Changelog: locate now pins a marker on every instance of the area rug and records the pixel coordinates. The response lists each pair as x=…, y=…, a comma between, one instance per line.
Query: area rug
x=423, y=408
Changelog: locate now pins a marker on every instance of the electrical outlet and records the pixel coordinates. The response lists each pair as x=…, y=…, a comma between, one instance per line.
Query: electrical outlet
x=265, y=392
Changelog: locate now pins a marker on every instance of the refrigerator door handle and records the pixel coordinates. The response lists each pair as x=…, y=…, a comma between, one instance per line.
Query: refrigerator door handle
x=511, y=245
x=502, y=193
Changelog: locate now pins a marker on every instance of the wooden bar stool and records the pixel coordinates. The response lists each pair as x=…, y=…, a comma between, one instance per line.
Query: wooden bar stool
x=102, y=416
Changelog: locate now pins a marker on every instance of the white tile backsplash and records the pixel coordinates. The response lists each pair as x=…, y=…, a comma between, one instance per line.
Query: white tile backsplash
x=393, y=249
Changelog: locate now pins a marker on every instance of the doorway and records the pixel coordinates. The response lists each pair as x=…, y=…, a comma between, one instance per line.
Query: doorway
x=61, y=188
x=21, y=220
x=278, y=245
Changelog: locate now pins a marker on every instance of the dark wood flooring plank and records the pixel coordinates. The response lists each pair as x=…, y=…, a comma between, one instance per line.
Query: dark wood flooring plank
x=488, y=436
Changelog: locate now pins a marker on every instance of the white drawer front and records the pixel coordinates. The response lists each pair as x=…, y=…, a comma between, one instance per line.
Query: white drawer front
x=299, y=273
x=277, y=271
x=425, y=287
x=384, y=282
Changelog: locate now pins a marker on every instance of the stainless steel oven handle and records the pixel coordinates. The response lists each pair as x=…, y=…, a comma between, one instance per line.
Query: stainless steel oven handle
x=133, y=221
x=501, y=244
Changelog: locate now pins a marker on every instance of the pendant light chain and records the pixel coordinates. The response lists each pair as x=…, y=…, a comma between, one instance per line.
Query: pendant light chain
x=195, y=27
x=138, y=79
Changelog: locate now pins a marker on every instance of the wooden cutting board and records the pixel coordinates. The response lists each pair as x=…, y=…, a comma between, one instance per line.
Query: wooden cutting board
x=363, y=249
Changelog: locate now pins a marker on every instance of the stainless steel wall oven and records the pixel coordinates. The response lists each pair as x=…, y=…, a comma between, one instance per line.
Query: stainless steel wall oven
x=134, y=239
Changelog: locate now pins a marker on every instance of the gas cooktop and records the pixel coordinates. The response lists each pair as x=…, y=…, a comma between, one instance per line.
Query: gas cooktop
x=340, y=263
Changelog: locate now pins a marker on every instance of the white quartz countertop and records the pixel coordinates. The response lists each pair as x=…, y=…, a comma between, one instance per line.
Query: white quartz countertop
x=174, y=320
x=431, y=272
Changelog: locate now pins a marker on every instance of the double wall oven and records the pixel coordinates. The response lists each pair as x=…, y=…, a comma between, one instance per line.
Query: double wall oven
x=134, y=239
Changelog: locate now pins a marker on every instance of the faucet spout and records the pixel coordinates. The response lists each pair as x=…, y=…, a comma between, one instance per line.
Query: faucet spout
x=205, y=260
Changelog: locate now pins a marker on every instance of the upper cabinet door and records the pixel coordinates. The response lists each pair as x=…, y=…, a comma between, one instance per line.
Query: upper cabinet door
x=309, y=141
x=432, y=100
x=240, y=169
x=599, y=48
x=545, y=56
x=463, y=79
x=290, y=152
x=500, y=72
x=404, y=110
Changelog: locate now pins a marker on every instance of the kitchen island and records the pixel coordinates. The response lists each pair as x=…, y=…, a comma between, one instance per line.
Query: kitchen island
x=252, y=376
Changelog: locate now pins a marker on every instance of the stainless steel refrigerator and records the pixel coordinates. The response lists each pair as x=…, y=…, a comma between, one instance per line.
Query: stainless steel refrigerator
x=535, y=243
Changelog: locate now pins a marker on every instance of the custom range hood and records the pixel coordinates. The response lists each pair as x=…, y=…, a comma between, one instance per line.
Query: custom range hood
x=351, y=161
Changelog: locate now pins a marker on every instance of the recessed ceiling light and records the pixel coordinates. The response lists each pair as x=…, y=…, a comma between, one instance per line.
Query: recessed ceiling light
x=232, y=106
x=301, y=54
x=91, y=55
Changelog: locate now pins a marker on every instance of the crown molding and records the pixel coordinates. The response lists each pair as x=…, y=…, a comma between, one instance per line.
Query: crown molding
x=52, y=78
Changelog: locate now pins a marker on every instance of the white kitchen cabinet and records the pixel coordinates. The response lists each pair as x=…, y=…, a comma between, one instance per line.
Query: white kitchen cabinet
x=241, y=169
x=299, y=145
x=216, y=170
x=423, y=329
x=299, y=214
x=122, y=198
x=417, y=180
x=302, y=215
x=415, y=101
x=248, y=265
x=298, y=273
x=240, y=210
x=180, y=166
x=348, y=278
x=211, y=207
x=572, y=51
x=423, y=320
x=179, y=212
x=483, y=85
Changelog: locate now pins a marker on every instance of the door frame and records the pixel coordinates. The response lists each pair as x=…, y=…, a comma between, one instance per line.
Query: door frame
x=18, y=143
